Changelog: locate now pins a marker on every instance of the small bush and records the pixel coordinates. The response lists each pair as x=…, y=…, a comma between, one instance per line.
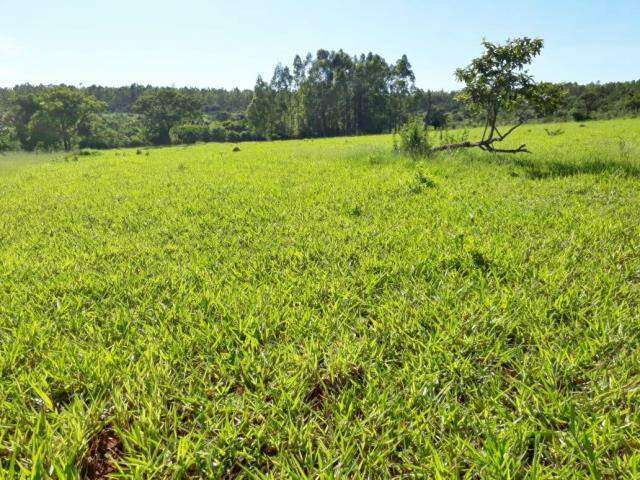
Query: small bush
x=420, y=183
x=414, y=139
x=87, y=152
x=233, y=136
x=246, y=136
x=579, y=115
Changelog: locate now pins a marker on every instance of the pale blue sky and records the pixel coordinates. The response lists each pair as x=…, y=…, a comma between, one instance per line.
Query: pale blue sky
x=226, y=44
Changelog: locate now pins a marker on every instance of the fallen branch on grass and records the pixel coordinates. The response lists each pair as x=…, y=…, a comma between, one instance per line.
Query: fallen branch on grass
x=486, y=144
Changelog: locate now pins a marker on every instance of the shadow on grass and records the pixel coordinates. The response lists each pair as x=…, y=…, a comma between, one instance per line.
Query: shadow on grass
x=555, y=169
x=539, y=169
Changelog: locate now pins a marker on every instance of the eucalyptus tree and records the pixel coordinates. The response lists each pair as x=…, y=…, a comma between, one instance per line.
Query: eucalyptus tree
x=260, y=112
x=402, y=89
x=281, y=84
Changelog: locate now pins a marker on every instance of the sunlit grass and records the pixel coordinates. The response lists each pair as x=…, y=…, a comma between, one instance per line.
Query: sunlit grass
x=324, y=308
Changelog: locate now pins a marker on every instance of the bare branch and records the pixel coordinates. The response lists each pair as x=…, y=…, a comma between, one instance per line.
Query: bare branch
x=521, y=149
x=485, y=144
x=455, y=146
x=510, y=131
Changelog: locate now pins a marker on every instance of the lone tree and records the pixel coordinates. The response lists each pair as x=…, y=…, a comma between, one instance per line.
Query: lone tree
x=498, y=83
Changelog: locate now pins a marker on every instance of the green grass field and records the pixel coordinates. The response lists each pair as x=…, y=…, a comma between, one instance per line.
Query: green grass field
x=324, y=309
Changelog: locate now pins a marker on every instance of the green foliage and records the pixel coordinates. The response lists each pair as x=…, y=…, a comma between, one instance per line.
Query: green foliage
x=163, y=109
x=414, y=138
x=189, y=133
x=112, y=130
x=216, y=102
x=332, y=94
x=297, y=310
x=8, y=138
x=421, y=182
x=498, y=81
x=63, y=110
x=231, y=131
x=217, y=132
x=579, y=115
x=498, y=77
x=42, y=133
x=238, y=130
x=23, y=107
x=118, y=127
x=632, y=104
x=53, y=117
x=233, y=137
x=87, y=152
x=260, y=113
x=360, y=89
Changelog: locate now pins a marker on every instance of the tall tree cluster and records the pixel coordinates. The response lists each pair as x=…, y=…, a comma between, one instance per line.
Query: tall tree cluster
x=331, y=94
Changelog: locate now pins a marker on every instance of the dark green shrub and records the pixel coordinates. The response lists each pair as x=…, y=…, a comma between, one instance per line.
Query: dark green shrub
x=217, y=132
x=233, y=136
x=113, y=131
x=579, y=115
x=8, y=139
x=87, y=152
x=188, y=134
x=246, y=136
x=436, y=118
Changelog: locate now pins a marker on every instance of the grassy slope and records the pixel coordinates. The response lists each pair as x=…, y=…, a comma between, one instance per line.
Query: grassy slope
x=323, y=307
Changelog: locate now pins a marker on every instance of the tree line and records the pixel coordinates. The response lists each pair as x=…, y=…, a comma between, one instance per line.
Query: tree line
x=60, y=116
x=327, y=94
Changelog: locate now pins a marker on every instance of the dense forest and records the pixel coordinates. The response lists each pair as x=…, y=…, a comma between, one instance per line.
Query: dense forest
x=329, y=94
